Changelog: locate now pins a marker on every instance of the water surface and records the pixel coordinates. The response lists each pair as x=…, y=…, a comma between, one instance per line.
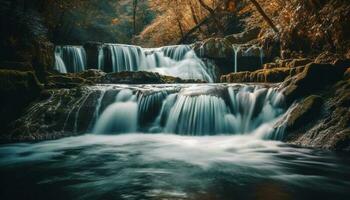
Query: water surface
x=162, y=166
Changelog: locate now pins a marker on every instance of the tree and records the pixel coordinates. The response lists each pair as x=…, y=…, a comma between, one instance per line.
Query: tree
x=264, y=15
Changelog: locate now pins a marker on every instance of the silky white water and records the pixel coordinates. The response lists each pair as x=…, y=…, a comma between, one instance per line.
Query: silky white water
x=179, y=61
x=70, y=59
x=167, y=166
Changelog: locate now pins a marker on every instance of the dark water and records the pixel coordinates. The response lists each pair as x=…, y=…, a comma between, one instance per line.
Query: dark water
x=159, y=166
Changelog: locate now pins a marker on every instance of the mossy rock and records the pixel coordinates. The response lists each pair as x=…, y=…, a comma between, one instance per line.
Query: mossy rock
x=304, y=112
x=314, y=77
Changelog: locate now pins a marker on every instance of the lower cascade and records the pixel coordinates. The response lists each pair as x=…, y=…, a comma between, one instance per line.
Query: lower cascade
x=188, y=109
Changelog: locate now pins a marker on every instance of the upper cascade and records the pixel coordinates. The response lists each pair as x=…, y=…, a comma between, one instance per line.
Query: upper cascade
x=184, y=109
x=178, y=60
x=70, y=59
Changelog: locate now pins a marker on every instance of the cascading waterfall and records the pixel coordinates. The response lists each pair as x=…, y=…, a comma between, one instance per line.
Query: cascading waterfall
x=59, y=64
x=184, y=109
x=73, y=58
x=179, y=61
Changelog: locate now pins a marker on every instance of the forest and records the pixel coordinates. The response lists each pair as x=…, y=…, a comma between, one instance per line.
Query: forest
x=175, y=99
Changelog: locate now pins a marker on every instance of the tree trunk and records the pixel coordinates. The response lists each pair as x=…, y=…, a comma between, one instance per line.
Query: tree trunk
x=266, y=18
x=213, y=14
x=134, y=3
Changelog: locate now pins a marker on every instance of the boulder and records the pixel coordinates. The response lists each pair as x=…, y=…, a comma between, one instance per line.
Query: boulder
x=304, y=112
x=314, y=77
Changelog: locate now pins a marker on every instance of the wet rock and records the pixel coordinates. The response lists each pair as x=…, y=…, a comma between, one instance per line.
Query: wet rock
x=142, y=77
x=314, y=77
x=214, y=48
x=244, y=37
x=274, y=75
x=299, y=62
x=92, y=49
x=328, y=129
x=304, y=112
x=18, y=90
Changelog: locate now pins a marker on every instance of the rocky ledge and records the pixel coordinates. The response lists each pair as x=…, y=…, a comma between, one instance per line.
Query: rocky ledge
x=90, y=77
x=318, y=92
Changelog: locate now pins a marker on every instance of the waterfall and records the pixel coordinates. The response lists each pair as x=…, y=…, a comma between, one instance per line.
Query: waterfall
x=59, y=64
x=100, y=63
x=73, y=57
x=179, y=61
x=184, y=109
x=120, y=116
x=236, y=49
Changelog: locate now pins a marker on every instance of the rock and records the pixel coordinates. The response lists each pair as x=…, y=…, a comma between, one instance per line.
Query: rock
x=18, y=90
x=314, y=77
x=93, y=75
x=141, y=77
x=342, y=63
x=244, y=37
x=274, y=75
x=92, y=49
x=214, y=48
x=299, y=62
x=304, y=112
x=347, y=73
x=328, y=129
x=43, y=58
x=326, y=58
x=19, y=66
x=239, y=77
x=66, y=81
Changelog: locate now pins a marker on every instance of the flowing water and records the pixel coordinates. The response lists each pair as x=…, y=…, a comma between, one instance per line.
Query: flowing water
x=178, y=61
x=189, y=141
x=70, y=59
x=167, y=166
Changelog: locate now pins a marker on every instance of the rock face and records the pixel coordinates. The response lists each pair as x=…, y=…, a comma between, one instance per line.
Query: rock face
x=325, y=126
x=304, y=112
x=274, y=75
x=313, y=78
x=90, y=77
x=25, y=40
x=92, y=49
x=244, y=37
x=18, y=90
x=142, y=77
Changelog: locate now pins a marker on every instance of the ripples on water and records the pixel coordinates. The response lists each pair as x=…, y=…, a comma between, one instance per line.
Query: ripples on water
x=160, y=166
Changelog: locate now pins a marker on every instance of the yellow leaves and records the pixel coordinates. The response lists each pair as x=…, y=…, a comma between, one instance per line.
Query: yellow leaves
x=115, y=21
